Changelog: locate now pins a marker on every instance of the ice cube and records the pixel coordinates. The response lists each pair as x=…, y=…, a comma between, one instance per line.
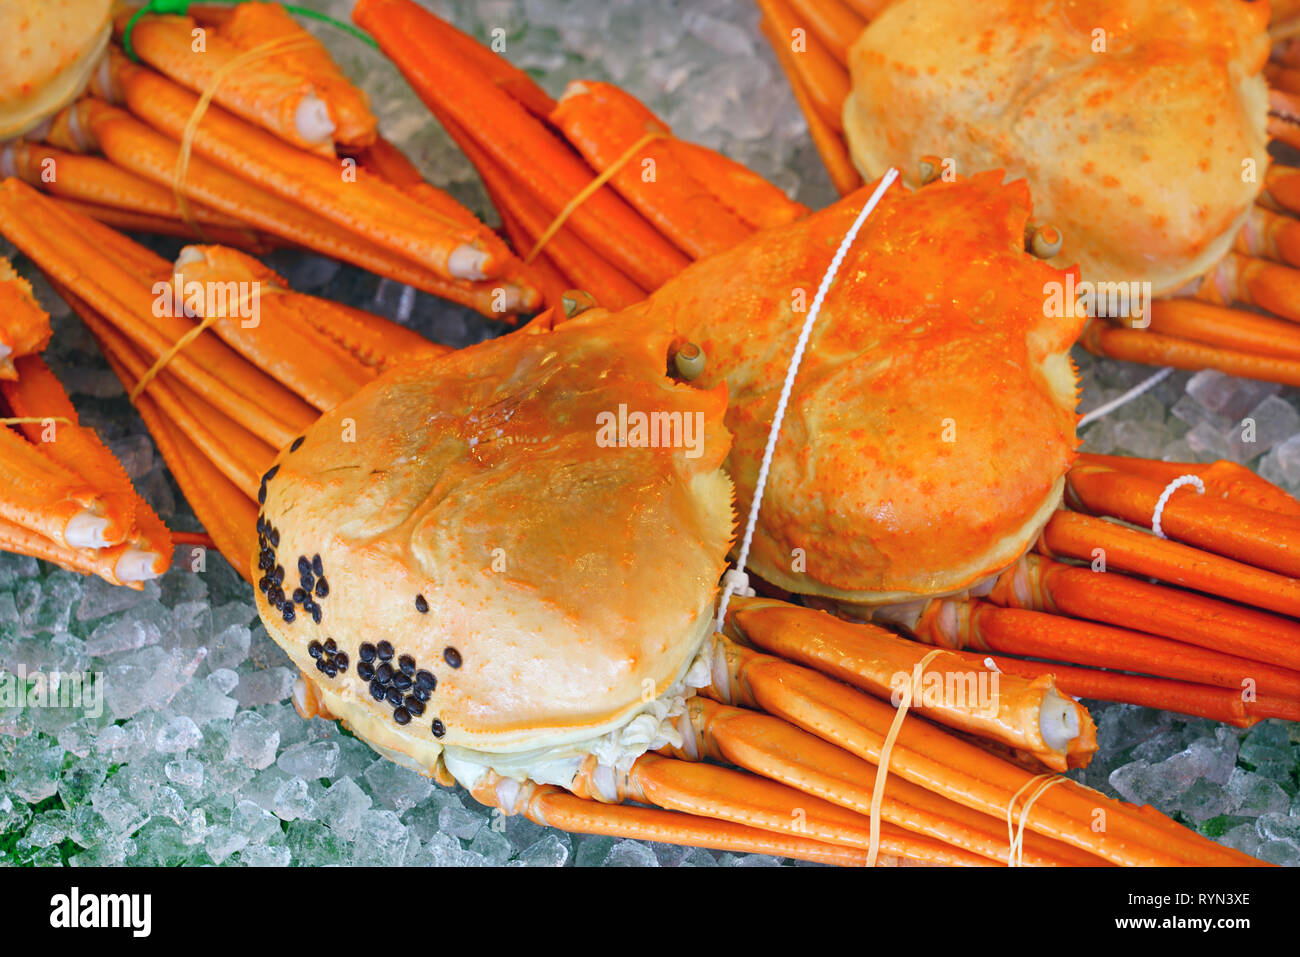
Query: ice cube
x=186, y=772
x=180, y=735
x=317, y=759
x=1251, y=795
x=342, y=806
x=254, y=740
x=630, y=854
x=396, y=787
x=382, y=840
x=222, y=841
x=551, y=850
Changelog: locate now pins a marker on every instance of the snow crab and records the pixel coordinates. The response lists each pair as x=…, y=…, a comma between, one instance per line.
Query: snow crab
x=1095, y=105
x=834, y=528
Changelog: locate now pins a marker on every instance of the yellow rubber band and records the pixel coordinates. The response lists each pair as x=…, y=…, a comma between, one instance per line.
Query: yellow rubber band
x=1016, y=833
x=886, y=750
x=179, y=172
x=189, y=337
x=35, y=419
x=591, y=188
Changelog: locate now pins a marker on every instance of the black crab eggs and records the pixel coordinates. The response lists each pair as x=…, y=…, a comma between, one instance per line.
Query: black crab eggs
x=395, y=680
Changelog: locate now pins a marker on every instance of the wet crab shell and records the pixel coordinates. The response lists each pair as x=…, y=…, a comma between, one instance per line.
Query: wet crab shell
x=1138, y=153
x=466, y=511
x=49, y=49
x=932, y=420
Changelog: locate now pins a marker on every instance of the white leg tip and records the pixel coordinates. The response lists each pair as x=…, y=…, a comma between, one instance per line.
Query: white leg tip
x=136, y=565
x=467, y=262
x=312, y=120
x=86, y=530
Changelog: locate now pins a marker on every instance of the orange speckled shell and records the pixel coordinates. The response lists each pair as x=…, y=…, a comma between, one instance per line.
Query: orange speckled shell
x=1135, y=153
x=47, y=48
x=937, y=315
x=607, y=556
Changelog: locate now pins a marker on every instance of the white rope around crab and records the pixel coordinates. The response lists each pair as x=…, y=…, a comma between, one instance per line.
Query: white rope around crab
x=735, y=581
x=1163, y=500
x=1108, y=407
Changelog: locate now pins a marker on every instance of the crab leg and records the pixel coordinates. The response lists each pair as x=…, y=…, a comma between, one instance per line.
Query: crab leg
x=63, y=247
x=36, y=394
x=132, y=144
x=374, y=341
x=824, y=79
x=603, y=123
x=551, y=807
x=24, y=325
x=581, y=266
x=1232, y=330
x=944, y=764
x=91, y=179
x=756, y=201
x=1041, y=584
x=1226, y=480
x=1255, y=282
x=836, y=24
x=1030, y=716
x=237, y=453
x=1282, y=186
x=1260, y=537
x=496, y=69
x=777, y=750
x=127, y=221
x=983, y=626
x=45, y=496
x=536, y=159
x=740, y=798
x=1072, y=535
x=826, y=138
x=275, y=341
x=118, y=565
x=1270, y=235
x=260, y=89
x=367, y=206
x=1202, y=701
x=228, y=514
x=251, y=24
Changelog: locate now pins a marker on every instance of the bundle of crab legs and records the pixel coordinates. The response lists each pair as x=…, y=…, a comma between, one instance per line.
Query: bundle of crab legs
x=508, y=557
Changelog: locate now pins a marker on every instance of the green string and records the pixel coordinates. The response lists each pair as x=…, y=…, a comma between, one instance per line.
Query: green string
x=182, y=7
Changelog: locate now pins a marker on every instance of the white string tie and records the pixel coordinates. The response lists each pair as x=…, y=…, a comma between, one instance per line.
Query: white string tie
x=1109, y=407
x=1172, y=487
x=736, y=578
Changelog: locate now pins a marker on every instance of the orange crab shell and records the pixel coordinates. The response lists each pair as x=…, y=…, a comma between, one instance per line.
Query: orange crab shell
x=49, y=49
x=572, y=578
x=1139, y=151
x=932, y=421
